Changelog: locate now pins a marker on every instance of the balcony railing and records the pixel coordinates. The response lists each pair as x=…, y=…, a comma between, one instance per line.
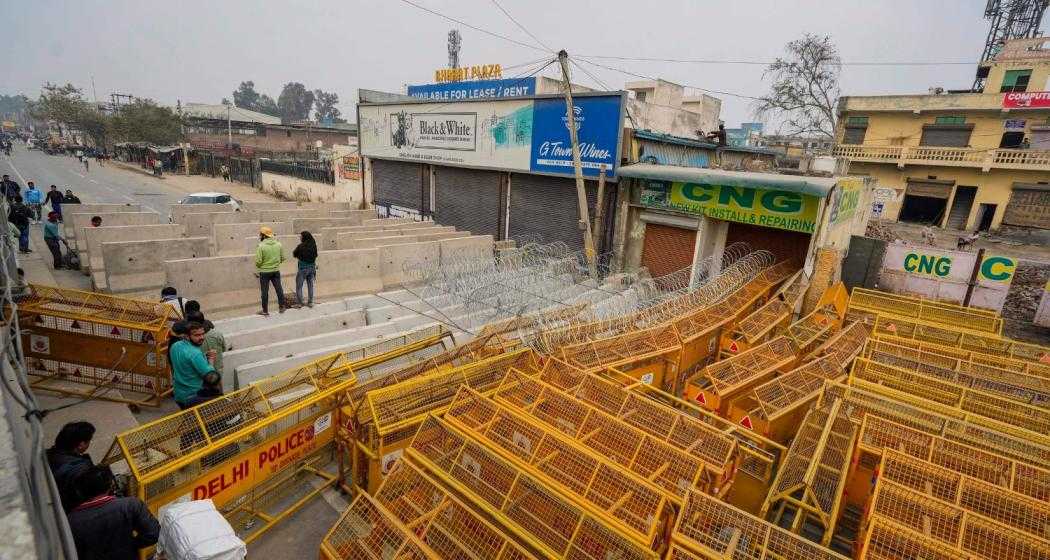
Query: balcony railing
x=1029, y=160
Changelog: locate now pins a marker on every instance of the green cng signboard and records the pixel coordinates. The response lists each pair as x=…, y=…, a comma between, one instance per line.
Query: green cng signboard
x=768, y=208
x=945, y=275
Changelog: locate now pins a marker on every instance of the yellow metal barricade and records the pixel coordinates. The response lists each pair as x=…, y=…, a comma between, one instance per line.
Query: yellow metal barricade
x=877, y=434
x=650, y=355
x=968, y=401
x=814, y=329
x=385, y=419
x=769, y=320
x=865, y=398
x=888, y=540
x=938, y=485
x=716, y=385
x=776, y=408
x=714, y=530
x=807, y=492
x=96, y=346
x=958, y=337
x=1021, y=387
x=949, y=314
x=536, y=513
x=261, y=452
x=412, y=517
x=626, y=499
x=1002, y=362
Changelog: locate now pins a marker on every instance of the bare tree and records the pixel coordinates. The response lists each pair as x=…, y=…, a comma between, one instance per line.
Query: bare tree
x=805, y=87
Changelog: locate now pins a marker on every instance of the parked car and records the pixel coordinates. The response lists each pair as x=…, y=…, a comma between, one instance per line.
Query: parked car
x=210, y=198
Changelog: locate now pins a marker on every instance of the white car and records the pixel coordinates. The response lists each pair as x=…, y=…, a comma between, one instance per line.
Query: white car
x=211, y=198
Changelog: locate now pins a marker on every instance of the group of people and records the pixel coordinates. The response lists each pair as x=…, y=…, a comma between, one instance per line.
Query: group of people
x=269, y=255
x=104, y=525
x=25, y=210
x=195, y=349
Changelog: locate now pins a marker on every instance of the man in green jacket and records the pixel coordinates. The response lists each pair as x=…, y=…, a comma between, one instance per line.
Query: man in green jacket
x=268, y=258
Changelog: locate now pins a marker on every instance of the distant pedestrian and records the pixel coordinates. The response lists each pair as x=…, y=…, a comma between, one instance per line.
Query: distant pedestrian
x=54, y=198
x=19, y=216
x=268, y=258
x=85, y=159
x=100, y=158
x=70, y=198
x=306, y=253
x=34, y=199
x=9, y=187
x=158, y=167
x=68, y=458
x=52, y=238
x=96, y=221
x=106, y=527
x=189, y=365
x=224, y=170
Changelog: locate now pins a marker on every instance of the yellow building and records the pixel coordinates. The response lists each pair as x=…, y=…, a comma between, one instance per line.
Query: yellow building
x=962, y=160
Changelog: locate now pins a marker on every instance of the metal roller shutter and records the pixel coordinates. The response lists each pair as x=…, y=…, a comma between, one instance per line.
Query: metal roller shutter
x=468, y=199
x=1029, y=206
x=952, y=136
x=398, y=182
x=667, y=249
x=544, y=208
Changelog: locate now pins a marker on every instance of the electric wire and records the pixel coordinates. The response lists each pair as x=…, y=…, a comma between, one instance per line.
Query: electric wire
x=646, y=77
x=469, y=26
x=768, y=62
x=522, y=27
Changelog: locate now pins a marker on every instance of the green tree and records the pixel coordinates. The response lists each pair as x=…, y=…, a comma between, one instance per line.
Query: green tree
x=246, y=97
x=14, y=106
x=325, y=109
x=66, y=106
x=144, y=121
x=295, y=102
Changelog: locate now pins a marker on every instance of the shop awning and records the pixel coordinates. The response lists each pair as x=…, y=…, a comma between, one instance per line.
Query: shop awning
x=815, y=186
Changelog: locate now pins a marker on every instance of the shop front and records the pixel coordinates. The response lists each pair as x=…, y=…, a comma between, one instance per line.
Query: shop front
x=501, y=167
x=679, y=216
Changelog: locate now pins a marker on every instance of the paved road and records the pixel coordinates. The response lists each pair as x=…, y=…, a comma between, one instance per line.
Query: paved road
x=98, y=184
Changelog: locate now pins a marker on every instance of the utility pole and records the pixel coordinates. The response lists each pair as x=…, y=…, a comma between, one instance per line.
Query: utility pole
x=182, y=132
x=229, y=130
x=599, y=225
x=581, y=190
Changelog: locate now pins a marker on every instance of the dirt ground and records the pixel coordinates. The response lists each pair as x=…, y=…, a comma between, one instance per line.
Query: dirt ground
x=1026, y=289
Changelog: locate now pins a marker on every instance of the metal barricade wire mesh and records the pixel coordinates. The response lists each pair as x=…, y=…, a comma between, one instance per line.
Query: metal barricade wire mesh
x=927, y=310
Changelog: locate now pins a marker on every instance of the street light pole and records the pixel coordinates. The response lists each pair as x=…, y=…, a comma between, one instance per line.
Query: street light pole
x=581, y=190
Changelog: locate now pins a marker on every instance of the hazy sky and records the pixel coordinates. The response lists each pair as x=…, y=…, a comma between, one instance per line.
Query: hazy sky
x=200, y=50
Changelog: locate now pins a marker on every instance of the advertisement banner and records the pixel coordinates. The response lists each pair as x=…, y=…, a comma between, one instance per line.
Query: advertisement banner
x=479, y=89
x=768, y=208
x=844, y=200
x=944, y=275
x=529, y=135
x=1027, y=100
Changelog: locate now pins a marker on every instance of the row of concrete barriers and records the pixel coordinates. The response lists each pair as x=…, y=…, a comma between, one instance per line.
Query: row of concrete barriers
x=209, y=254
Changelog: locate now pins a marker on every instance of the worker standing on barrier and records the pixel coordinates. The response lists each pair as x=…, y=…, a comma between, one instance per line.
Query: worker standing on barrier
x=268, y=258
x=189, y=365
x=106, y=527
x=68, y=458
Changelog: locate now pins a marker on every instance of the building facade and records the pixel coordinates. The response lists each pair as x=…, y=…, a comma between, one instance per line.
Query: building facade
x=960, y=160
x=213, y=127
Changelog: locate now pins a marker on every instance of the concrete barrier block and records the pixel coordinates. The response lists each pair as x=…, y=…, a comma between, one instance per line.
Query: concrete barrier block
x=229, y=238
x=83, y=220
x=268, y=205
x=139, y=265
x=438, y=236
x=179, y=211
x=69, y=209
x=228, y=282
x=202, y=224
x=474, y=247
x=95, y=237
x=288, y=242
x=306, y=326
x=317, y=224
x=387, y=221
x=349, y=241
x=394, y=258
x=287, y=215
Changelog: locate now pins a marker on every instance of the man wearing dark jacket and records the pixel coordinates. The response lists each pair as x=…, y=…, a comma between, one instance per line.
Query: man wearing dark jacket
x=9, y=188
x=19, y=216
x=54, y=198
x=68, y=458
x=106, y=527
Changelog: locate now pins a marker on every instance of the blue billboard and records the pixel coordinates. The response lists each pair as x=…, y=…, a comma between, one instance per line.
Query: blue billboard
x=598, y=126
x=479, y=89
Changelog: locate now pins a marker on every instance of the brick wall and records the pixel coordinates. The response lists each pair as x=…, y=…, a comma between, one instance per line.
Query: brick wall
x=276, y=140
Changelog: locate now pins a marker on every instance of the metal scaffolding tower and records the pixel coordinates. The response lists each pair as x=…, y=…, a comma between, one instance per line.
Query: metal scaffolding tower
x=1011, y=19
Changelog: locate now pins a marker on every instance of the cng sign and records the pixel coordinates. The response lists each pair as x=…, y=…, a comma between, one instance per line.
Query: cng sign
x=996, y=269
x=946, y=275
x=935, y=265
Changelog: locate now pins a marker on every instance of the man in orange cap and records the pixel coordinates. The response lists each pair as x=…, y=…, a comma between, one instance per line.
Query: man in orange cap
x=268, y=258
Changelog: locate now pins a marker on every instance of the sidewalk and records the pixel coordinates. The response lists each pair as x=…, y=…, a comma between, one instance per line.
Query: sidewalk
x=200, y=183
